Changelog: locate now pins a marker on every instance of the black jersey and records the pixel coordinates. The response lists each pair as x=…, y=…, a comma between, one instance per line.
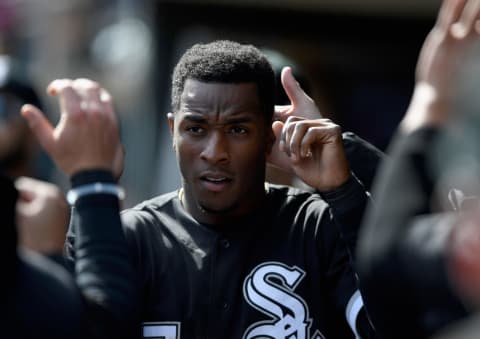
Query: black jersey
x=281, y=272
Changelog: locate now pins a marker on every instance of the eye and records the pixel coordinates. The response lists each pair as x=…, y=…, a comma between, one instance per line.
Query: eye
x=197, y=130
x=238, y=130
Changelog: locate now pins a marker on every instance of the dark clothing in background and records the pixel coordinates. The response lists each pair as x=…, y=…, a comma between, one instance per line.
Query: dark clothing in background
x=39, y=298
x=401, y=249
x=44, y=301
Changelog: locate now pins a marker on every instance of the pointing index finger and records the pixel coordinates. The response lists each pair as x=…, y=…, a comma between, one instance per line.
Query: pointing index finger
x=290, y=85
x=58, y=85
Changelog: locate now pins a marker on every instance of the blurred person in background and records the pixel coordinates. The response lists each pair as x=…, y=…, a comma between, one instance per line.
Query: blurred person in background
x=419, y=248
x=98, y=298
x=19, y=152
x=39, y=297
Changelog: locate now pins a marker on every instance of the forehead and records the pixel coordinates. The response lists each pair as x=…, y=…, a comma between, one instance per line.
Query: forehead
x=198, y=96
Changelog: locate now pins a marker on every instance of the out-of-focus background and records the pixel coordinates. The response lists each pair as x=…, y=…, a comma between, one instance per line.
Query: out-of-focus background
x=357, y=58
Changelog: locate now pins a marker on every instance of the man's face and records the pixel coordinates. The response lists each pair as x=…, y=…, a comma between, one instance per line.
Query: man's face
x=221, y=138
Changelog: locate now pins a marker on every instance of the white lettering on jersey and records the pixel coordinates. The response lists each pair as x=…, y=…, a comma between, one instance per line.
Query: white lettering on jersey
x=161, y=330
x=269, y=289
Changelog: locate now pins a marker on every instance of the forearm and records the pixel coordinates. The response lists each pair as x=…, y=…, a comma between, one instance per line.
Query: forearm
x=363, y=158
x=403, y=190
x=428, y=109
x=348, y=203
x=103, y=267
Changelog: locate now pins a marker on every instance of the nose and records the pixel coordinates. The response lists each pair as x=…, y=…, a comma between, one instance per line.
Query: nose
x=216, y=148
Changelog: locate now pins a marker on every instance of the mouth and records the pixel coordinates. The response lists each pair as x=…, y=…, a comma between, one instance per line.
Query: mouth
x=215, y=182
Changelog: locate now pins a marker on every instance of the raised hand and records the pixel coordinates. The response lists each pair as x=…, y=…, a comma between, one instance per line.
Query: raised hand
x=441, y=60
x=301, y=105
x=42, y=216
x=315, y=151
x=86, y=136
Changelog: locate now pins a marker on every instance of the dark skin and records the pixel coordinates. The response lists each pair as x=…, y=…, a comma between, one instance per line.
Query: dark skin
x=222, y=139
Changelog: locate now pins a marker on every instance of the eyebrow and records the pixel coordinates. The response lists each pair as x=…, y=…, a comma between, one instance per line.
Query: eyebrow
x=195, y=118
x=239, y=120
x=229, y=120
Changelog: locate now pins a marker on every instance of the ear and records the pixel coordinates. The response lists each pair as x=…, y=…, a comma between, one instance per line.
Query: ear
x=171, y=120
x=171, y=125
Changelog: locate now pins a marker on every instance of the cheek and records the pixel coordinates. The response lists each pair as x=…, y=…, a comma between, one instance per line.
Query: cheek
x=186, y=154
x=250, y=156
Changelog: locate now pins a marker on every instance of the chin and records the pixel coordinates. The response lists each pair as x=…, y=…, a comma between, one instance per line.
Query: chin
x=215, y=208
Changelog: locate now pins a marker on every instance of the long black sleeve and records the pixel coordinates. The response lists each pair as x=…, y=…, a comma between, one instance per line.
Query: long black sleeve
x=364, y=158
x=401, y=250
x=103, y=267
x=348, y=204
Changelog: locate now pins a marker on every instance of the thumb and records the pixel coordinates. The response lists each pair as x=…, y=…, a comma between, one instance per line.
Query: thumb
x=39, y=125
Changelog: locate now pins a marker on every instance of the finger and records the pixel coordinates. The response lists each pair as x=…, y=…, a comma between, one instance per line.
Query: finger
x=88, y=92
x=450, y=12
x=39, y=125
x=69, y=99
x=468, y=18
x=301, y=127
x=323, y=134
x=106, y=100
x=287, y=132
x=28, y=188
x=92, y=101
x=277, y=128
x=277, y=157
x=56, y=86
x=96, y=100
x=311, y=137
x=70, y=102
x=291, y=86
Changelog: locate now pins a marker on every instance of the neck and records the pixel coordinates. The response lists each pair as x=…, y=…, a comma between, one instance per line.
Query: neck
x=223, y=217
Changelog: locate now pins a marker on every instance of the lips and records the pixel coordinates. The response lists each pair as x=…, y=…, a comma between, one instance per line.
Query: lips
x=215, y=181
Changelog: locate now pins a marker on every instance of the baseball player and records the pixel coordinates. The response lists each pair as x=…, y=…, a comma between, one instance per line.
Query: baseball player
x=226, y=255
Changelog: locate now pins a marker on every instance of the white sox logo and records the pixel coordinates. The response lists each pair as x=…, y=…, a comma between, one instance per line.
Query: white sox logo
x=269, y=288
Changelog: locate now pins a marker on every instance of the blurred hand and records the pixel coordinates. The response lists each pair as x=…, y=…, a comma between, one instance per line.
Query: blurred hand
x=42, y=216
x=86, y=136
x=315, y=151
x=442, y=56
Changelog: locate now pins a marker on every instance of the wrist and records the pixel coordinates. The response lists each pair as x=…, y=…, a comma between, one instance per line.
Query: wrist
x=93, y=182
x=91, y=176
x=428, y=108
x=94, y=188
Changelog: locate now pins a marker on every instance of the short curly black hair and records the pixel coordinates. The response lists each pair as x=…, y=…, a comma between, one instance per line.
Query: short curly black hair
x=226, y=61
